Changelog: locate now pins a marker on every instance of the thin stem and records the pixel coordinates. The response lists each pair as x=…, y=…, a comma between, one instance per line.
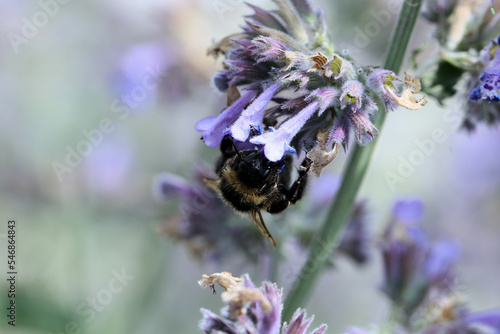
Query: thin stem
x=328, y=237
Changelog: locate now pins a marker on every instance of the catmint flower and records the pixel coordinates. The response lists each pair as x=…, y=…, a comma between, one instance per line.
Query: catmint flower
x=250, y=310
x=301, y=87
x=414, y=267
x=466, y=58
x=490, y=79
x=482, y=104
x=277, y=142
x=214, y=127
x=352, y=94
x=252, y=116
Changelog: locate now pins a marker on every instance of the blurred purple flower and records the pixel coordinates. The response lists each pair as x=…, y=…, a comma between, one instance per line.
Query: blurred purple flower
x=108, y=167
x=473, y=323
x=413, y=268
x=141, y=68
x=201, y=221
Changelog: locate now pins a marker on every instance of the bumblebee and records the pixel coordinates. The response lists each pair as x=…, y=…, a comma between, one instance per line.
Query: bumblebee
x=249, y=182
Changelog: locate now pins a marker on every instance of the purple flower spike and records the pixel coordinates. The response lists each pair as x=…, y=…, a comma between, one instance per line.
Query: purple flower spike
x=352, y=94
x=277, y=142
x=415, y=269
x=253, y=115
x=214, y=127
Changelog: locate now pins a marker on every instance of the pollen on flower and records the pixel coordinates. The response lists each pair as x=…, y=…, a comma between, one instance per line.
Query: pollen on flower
x=237, y=295
x=224, y=279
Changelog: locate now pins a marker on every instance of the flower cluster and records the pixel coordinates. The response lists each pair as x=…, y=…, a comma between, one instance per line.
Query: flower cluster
x=483, y=104
x=463, y=29
x=250, y=310
x=419, y=280
x=289, y=89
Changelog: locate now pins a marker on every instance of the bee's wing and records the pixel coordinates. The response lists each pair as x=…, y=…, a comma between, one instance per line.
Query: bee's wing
x=259, y=221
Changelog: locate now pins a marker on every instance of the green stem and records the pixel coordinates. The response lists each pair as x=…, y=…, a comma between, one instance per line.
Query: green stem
x=329, y=235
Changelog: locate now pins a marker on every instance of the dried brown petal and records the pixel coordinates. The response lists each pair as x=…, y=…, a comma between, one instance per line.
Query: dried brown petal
x=320, y=60
x=320, y=155
x=406, y=99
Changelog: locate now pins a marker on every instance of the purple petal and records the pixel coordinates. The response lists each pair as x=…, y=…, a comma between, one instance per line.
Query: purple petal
x=270, y=323
x=277, y=142
x=352, y=90
x=409, y=210
x=298, y=324
x=326, y=97
x=167, y=185
x=253, y=115
x=214, y=127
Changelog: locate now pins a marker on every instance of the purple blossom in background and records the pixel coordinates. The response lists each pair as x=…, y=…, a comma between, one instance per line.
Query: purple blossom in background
x=202, y=222
x=140, y=71
x=108, y=167
x=413, y=267
x=490, y=80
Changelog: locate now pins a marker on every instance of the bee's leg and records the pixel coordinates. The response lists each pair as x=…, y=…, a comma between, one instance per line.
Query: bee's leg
x=295, y=192
x=279, y=204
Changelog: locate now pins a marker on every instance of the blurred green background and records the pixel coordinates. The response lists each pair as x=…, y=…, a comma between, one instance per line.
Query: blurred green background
x=123, y=83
